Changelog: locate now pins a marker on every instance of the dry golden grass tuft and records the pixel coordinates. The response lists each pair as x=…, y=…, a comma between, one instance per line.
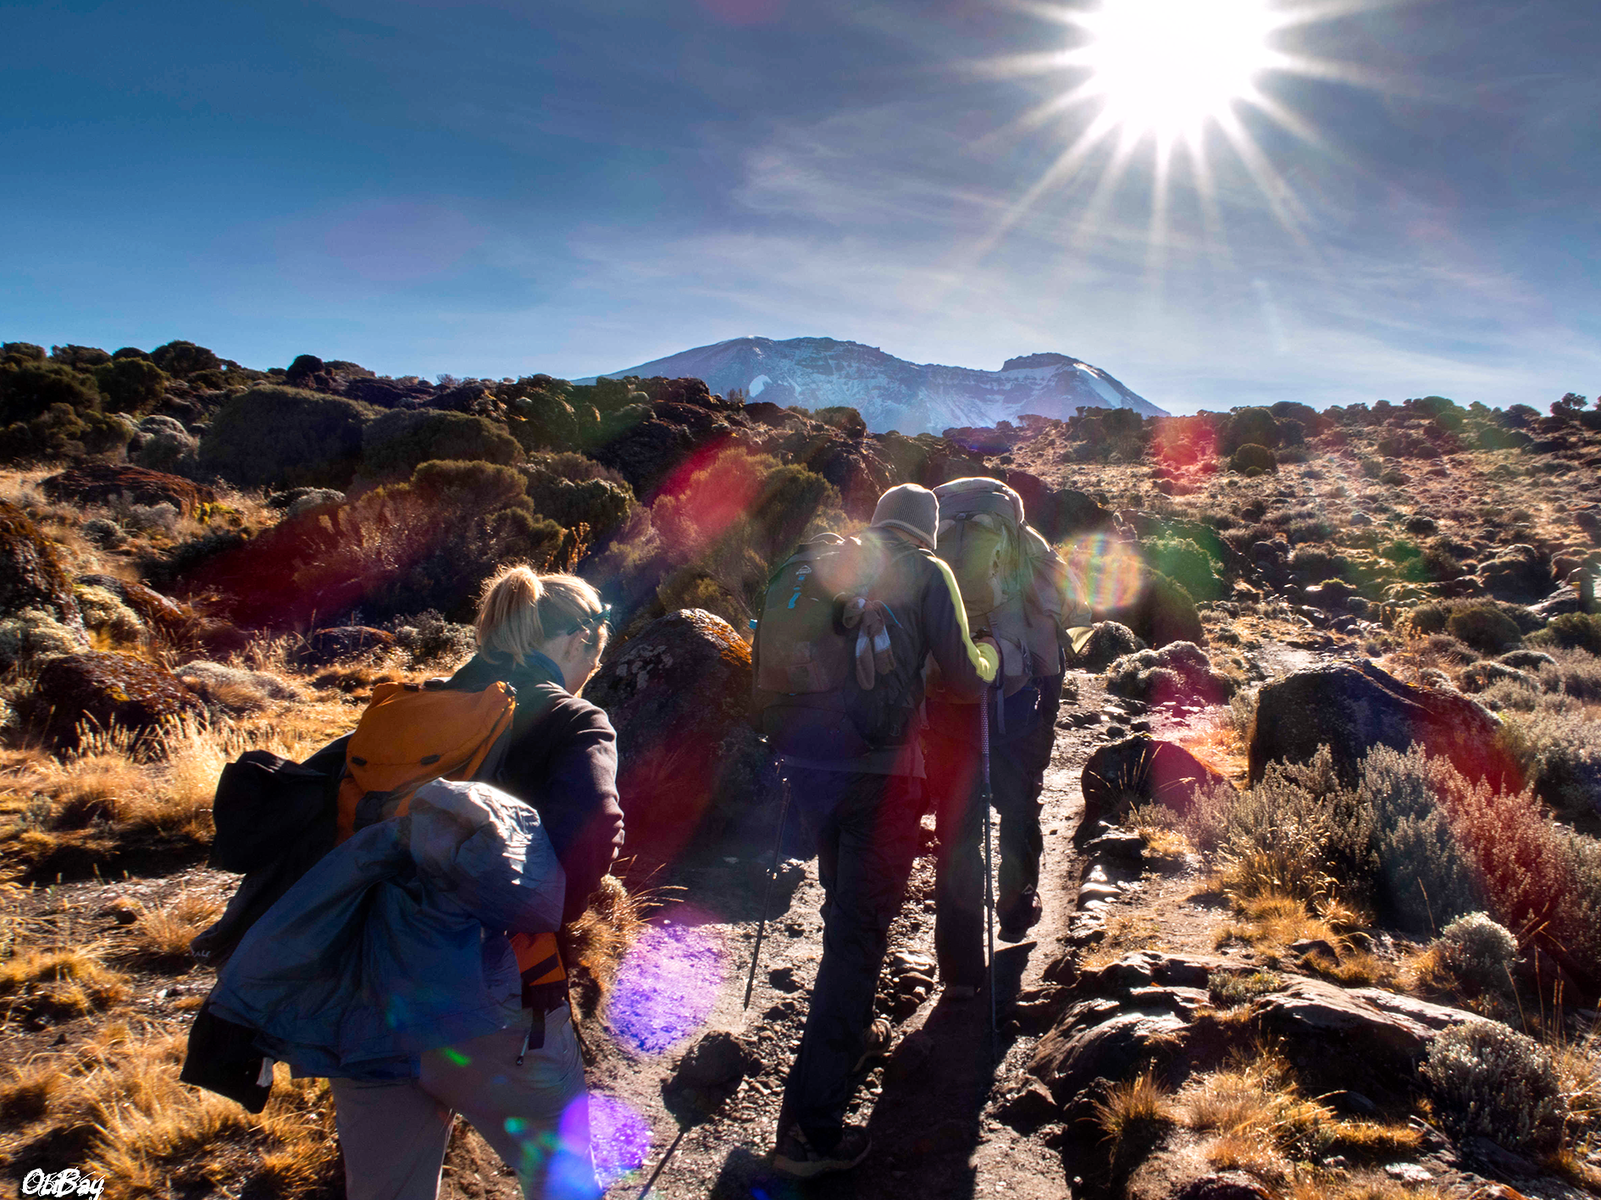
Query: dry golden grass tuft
x=1355, y=968
x=1271, y=922
x=63, y=982
x=163, y=935
x=148, y=1134
x=25, y=1093
x=122, y=792
x=1220, y=744
x=1134, y=1115
x=594, y=945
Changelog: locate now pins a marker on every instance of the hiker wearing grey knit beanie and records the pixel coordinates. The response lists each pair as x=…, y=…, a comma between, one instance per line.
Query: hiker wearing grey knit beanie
x=911, y=509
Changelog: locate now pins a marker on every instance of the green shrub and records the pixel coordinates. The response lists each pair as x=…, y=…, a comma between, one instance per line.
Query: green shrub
x=285, y=437
x=1479, y=951
x=31, y=389
x=1484, y=627
x=392, y=551
x=429, y=638
x=1251, y=427
x=1574, y=631
x=63, y=432
x=398, y=441
x=16, y=353
x=184, y=358
x=543, y=420
x=302, y=369
x=1448, y=847
x=1230, y=990
x=130, y=385
x=846, y=420
x=572, y=490
x=81, y=358
x=567, y=464
x=1253, y=457
x=471, y=487
x=1488, y=1081
x=1183, y=560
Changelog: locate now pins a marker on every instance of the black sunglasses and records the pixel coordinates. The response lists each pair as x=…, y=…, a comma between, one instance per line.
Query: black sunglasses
x=595, y=621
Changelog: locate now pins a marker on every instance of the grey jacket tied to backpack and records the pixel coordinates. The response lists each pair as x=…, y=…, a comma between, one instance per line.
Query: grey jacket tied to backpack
x=394, y=942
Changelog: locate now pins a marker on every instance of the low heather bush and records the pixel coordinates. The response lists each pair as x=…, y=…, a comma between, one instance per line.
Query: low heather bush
x=1580, y=631
x=396, y=443
x=1251, y=457
x=1295, y=832
x=274, y=435
x=1479, y=951
x=1559, y=754
x=1185, y=561
x=1424, y=878
x=1576, y=673
x=1491, y=1082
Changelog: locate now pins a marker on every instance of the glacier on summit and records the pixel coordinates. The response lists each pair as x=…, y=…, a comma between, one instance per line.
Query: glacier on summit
x=890, y=392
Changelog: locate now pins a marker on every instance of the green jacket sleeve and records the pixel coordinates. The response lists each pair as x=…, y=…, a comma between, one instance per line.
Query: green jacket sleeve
x=965, y=668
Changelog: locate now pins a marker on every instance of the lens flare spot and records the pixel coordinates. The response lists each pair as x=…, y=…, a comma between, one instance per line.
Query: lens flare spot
x=455, y=1057
x=618, y=1137
x=1108, y=571
x=667, y=983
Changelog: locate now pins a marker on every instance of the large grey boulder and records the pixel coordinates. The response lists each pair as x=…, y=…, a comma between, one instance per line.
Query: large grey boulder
x=1353, y=709
x=678, y=694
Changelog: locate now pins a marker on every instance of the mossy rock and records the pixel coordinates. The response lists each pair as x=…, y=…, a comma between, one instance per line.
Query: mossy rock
x=103, y=691
x=31, y=573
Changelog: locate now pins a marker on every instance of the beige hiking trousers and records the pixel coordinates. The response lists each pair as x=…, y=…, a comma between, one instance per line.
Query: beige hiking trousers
x=536, y=1116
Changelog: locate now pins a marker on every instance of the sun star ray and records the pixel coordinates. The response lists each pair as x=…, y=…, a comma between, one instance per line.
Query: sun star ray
x=1063, y=168
x=1280, y=197
x=1105, y=187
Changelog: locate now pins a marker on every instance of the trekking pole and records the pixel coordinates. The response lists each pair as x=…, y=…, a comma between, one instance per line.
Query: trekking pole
x=989, y=873
x=651, y=1182
x=767, y=896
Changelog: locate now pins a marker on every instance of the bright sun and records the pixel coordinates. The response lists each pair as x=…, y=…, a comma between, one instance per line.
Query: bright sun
x=1170, y=79
x=1166, y=67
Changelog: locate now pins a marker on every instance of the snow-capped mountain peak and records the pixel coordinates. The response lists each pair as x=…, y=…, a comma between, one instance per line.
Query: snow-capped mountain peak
x=890, y=392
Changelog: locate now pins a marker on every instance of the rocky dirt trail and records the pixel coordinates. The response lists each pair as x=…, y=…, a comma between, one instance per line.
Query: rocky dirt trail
x=931, y=1107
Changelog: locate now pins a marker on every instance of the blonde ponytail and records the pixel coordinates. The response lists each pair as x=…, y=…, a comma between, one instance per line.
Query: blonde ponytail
x=521, y=610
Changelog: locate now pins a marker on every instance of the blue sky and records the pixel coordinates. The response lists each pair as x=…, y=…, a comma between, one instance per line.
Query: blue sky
x=501, y=188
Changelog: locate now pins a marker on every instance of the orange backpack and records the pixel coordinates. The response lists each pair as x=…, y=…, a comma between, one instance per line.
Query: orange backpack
x=413, y=734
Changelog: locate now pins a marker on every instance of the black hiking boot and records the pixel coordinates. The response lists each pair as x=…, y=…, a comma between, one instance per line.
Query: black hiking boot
x=1021, y=916
x=795, y=1155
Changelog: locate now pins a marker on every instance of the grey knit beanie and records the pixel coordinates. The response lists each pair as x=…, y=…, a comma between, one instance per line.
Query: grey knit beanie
x=911, y=508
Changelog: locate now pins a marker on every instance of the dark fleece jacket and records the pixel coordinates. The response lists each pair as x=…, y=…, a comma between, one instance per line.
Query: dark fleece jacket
x=562, y=760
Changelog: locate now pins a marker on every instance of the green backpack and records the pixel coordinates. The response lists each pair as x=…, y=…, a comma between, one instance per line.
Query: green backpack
x=805, y=694
x=1013, y=583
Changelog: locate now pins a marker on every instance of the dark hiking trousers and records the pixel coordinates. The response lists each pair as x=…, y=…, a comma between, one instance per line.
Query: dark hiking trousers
x=953, y=760
x=866, y=829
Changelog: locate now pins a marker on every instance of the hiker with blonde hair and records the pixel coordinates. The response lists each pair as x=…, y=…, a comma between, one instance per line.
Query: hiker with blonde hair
x=416, y=963
x=543, y=635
